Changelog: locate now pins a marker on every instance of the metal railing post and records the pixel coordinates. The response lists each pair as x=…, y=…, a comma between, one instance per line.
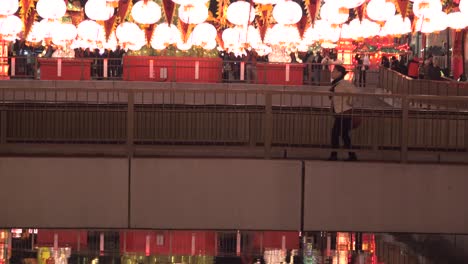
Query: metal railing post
x=404, y=128
x=268, y=126
x=130, y=123
x=3, y=126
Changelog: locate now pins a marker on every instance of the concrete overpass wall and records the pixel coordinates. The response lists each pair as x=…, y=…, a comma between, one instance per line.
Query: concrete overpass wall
x=251, y=194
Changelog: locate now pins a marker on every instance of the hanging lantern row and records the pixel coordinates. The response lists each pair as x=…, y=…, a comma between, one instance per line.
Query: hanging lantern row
x=334, y=13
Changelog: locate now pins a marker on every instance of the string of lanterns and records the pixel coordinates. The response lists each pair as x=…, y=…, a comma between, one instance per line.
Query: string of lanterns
x=382, y=19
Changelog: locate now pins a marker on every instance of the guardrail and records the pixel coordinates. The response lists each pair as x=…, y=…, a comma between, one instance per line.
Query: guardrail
x=147, y=120
x=177, y=69
x=397, y=83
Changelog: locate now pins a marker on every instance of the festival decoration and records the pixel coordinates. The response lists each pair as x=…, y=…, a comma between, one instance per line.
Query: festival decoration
x=146, y=12
x=51, y=9
x=98, y=10
x=8, y=7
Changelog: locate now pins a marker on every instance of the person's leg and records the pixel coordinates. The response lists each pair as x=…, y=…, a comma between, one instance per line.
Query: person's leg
x=254, y=74
x=347, y=126
x=360, y=78
x=335, y=137
x=317, y=73
x=364, y=78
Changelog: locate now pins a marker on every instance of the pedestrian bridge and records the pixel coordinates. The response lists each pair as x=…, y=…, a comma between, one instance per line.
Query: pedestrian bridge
x=231, y=156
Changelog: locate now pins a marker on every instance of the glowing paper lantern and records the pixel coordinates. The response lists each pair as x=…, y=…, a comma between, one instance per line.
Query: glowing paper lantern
x=310, y=35
x=130, y=36
x=435, y=23
x=463, y=5
x=327, y=31
x=10, y=27
x=426, y=8
x=35, y=34
x=240, y=13
x=380, y=10
x=184, y=45
x=64, y=33
x=98, y=10
x=193, y=14
x=396, y=26
x=46, y=28
x=267, y=2
x=51, y=9
x=203, y=33
x=457, y=20
x=369, y=29
x=287, y=12
x=165, y=35
x=111, y=43
x=91, y=31
x=234, y=37
x=334, y=14
x=190, y=2
x=351, y=3
x=282, y=35
x=148, y=13
x=8, y=7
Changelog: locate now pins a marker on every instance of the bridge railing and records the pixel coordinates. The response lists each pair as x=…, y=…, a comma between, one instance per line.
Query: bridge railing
x=266, y=120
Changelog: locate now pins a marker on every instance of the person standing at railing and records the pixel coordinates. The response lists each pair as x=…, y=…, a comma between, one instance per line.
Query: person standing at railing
x=340, y=105
x=428, y=64
x=251, y=66
x=413, y=68
x=435, y=72
x=317, y=67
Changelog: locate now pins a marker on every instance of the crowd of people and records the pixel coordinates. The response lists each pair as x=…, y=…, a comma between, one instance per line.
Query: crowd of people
x=428, y=69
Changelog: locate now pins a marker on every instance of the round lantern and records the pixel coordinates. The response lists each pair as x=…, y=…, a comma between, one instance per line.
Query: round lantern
x=253, y=37
x=426, y=8
x=282, y=35
x=10, y=27
x=437, y=22
x=130, y=36
x=234, y=37
x=380, y=10
x=396, y=26
x=334, y=14
x=111, y=43
x=351, y=30
x=203, y=33
x=369, y=29
x=8, y=7
x=263, y=50
x=287, y=12
x=193, y=14
x=184, y=45
x=267, y=2
x=240, y=13
x=327, y=31
x=34, y=35
x=190, y=2
x=463, y=5
x=310, y=35
x=91, y=31
x=98, y=10
x=352, y=3
x=51, y=9
x=209, y=45
x=146, y=13
x=457, y=20
x=47, y=28
x=165, y=35
x=64, y=33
